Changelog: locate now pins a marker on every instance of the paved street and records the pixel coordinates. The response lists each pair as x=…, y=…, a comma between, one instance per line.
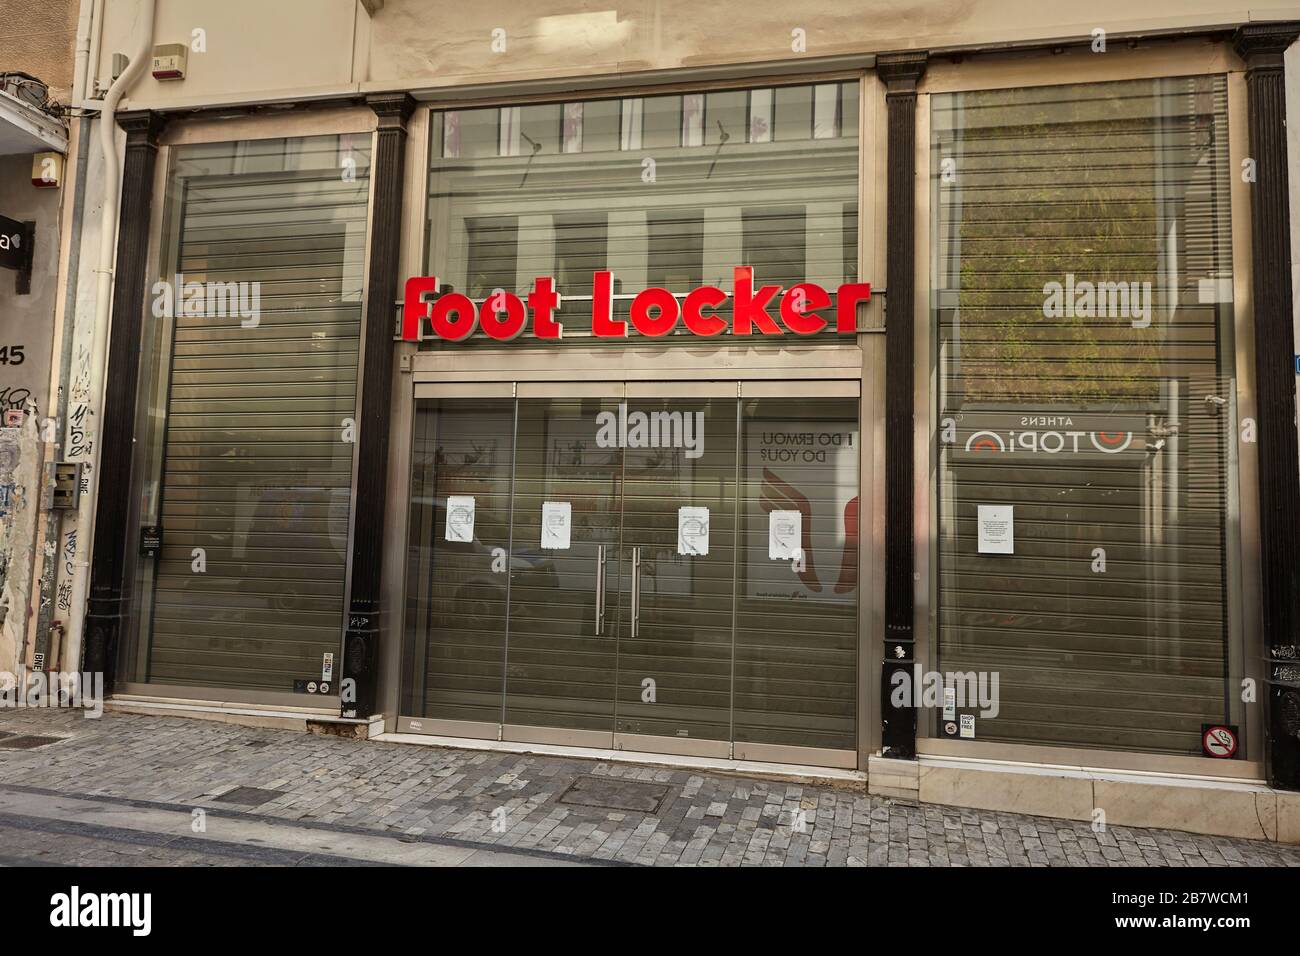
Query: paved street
x=135, y=790
x=41, y=828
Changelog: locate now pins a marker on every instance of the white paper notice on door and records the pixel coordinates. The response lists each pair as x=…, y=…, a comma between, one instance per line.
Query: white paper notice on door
x=557, y=519
x=784, y=532
x=693, y=530
x=460, y=518
x=997, y=529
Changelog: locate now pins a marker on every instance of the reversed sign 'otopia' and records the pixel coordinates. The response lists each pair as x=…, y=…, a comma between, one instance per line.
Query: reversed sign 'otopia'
x=655, y=312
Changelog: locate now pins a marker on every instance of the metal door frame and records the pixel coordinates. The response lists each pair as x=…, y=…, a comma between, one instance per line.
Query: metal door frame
x=345, y=120
x=768, y=383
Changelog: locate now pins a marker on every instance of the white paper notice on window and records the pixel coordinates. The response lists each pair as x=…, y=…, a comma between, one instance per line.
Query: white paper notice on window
x=557, y=519
x=784, y=532
x=997, y=529
x=693, y=530
x=460, y=518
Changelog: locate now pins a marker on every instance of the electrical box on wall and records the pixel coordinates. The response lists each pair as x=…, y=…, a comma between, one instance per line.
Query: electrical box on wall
x=64, y=485
x=47, y=170
x=169, y=61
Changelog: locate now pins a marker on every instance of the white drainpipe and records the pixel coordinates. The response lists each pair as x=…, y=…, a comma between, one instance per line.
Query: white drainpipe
x=85, y=20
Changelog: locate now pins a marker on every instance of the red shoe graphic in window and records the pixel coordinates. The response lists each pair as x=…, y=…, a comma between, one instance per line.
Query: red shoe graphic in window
x=779, y=495
x=849, y=560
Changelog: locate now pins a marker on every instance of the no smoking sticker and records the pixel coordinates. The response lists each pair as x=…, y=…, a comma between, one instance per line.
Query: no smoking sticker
x=1218, y=740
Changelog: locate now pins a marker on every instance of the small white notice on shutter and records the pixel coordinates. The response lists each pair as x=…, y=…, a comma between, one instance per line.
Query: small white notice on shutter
x=784, y=532
x=997, y=529
x=693, y=530
x=557, y=518
x=460, y=518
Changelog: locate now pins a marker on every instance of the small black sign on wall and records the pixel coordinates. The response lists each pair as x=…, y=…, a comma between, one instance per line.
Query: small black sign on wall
x=151, y=539
x=16, y=241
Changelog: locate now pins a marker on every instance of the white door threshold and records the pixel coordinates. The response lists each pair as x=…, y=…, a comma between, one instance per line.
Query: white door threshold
x=302, y=719
x=228, y=706
x=783, y=771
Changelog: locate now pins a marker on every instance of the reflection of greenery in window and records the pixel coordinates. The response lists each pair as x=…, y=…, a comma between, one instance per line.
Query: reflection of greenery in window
x=1109, y=622
x=1110, y=183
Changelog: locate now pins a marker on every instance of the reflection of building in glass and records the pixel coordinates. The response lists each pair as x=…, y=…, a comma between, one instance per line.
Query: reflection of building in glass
x=769, y=181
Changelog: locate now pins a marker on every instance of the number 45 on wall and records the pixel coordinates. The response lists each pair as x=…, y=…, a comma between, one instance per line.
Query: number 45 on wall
x=11, y=354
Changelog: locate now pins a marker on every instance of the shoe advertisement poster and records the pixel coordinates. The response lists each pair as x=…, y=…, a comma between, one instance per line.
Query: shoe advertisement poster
x=802, y=541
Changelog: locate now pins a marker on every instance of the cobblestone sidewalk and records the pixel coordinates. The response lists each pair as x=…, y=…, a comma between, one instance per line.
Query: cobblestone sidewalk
x=663, y=817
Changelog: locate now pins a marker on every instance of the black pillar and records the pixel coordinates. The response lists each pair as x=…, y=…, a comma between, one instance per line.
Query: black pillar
x=365, y=611
x=900, y=72
x=109, y=595
x=1261, y=45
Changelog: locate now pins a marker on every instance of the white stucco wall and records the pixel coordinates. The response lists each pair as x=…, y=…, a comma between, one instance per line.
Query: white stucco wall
x=260, y=50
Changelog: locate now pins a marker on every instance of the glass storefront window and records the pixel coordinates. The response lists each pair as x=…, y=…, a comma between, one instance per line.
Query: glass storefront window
x=1086, y=473
x=796, y=646
x=659, y=615
x=244, y=462
x=677, y=189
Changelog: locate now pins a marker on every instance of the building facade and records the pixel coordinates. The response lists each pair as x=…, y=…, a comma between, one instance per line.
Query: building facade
x=900, y=393
x=36, y=69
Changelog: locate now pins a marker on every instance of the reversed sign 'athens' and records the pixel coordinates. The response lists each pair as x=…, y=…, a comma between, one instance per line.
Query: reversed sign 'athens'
x=1052, y=432
x=1051, y=442
x=655, y=312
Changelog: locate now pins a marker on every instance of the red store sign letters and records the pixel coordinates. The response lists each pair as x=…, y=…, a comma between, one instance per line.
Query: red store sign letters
x=655, y=312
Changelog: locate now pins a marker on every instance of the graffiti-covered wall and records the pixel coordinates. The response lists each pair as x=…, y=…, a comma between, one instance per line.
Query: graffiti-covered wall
x=26, y=330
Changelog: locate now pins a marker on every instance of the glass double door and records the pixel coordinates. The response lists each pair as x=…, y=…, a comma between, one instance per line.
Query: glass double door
x=626, y=634
x=581, y=558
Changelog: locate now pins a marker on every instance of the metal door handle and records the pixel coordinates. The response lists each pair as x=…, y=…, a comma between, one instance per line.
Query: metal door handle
x=600, y=589
x=636, y=590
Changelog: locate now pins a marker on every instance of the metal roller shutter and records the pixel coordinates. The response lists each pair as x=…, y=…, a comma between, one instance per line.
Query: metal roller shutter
x=256, y=469
x=1113, y=183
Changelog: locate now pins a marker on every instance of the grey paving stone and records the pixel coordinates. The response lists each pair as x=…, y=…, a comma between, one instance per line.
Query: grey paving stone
x=704, y=819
